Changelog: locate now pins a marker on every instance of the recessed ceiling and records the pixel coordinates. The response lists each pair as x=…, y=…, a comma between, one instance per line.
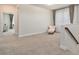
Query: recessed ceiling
x=58, y=6
x=52, y=6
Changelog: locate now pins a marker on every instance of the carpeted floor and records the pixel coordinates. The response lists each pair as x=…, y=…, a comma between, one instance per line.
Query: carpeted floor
x=41, y=44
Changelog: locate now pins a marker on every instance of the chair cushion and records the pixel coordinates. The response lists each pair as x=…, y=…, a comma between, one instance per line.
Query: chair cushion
x=51, y=29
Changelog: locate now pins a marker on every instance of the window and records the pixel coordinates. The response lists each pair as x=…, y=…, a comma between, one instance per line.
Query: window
x=62, y=18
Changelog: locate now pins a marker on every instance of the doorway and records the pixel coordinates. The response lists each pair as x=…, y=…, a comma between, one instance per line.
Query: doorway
x=8, y=24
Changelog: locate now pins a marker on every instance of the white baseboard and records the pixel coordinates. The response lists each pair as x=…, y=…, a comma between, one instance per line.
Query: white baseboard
x=30, y=34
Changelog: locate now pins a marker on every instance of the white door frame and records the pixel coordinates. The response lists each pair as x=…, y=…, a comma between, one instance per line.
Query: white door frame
x=15, y=21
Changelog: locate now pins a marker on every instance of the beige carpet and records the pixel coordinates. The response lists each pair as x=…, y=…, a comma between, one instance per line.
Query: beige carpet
x=41, y=44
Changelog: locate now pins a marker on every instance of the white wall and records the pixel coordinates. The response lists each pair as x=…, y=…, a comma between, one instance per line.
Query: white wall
x=76, y=15
x=51, y=18
x=33, y=19
x=6, y=20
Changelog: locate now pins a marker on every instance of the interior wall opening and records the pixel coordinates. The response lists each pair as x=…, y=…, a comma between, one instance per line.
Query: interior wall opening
x=8, y=23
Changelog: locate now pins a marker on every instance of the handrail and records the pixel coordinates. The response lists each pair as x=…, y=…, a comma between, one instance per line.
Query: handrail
x=66, y=28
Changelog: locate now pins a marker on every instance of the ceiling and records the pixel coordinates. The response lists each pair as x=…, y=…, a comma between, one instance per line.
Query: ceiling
x=52, y=6
x=47, y=6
